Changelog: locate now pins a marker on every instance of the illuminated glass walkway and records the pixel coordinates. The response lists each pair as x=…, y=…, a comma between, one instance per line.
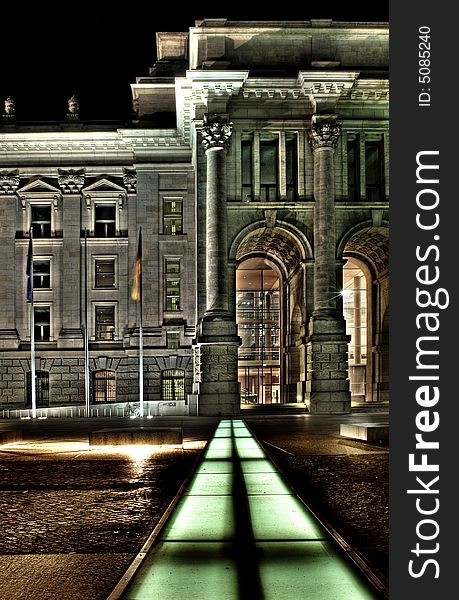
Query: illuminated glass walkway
x=239, y=532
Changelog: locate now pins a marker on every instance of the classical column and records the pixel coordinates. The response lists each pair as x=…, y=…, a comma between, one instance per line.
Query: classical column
x=327, y=388
x=216, y=344
x=215, y=140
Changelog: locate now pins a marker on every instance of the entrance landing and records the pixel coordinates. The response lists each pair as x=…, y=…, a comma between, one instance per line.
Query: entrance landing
x=240, y=532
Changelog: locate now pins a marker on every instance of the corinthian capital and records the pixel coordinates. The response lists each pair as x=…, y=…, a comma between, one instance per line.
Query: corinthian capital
x=216, y=133
x=324, y=133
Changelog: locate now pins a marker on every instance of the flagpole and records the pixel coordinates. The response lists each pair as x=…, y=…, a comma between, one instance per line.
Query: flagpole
x=141, y=334
x=86, y=333
x=32, y=333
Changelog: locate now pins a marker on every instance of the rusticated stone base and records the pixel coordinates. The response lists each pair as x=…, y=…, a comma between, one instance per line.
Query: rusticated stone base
x=215, y=369
x=327, y=385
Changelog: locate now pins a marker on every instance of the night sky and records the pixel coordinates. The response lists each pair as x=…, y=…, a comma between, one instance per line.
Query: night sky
x=47, y=54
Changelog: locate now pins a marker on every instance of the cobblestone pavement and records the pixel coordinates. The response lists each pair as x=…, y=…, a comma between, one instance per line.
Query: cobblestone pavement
x=74, y=518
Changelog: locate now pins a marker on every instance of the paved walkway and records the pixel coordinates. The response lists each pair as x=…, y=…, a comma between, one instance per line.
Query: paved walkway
x=240, y=532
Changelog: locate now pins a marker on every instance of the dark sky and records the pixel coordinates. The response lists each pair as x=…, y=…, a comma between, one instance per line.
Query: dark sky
x=95, y=51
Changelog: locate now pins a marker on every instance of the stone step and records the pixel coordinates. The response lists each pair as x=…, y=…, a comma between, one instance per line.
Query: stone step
x=136, y=435
x=367, y=432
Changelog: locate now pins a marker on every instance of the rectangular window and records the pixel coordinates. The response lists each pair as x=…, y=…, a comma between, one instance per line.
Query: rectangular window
x=172, y=294
x=353, y=169
x=105, y=273
x=172, y=216
x=41, y=274
x=42, y=323
x=173, y=340
x=40, y=217
x=105, y=323
x=247, y=170
x=291, y=169
x=172, y=265
x=268, y=171
x=374, y=171
x=105, y=220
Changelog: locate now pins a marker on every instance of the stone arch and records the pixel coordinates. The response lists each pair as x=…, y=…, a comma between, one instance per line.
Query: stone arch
x=286, y=229
x=284, y=249
x=368, y=245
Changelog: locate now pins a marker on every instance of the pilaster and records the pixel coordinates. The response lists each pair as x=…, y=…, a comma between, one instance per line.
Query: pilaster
x=8, y=208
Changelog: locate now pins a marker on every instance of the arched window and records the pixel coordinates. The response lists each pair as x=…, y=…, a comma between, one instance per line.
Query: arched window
x=41, y=389
x=103, y=386
x=173, y=384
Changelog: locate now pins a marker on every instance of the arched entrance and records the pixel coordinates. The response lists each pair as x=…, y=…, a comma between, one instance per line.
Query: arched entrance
x=258, y=317
x=366, y=309
x=271, y=311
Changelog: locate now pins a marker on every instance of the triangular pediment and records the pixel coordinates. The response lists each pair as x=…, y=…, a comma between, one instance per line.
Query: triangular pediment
x=103, y=184
x=38, y=185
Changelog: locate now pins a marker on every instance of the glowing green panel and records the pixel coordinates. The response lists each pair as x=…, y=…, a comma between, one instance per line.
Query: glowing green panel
x=175, y=571
x=257, y=466
x=219, y=448
x=282, y=518
x=265, y=483
x=215, y=466
x=248, y=448
x=223, y=433
x=211, y=484
x=201, y=518
x=312, y=570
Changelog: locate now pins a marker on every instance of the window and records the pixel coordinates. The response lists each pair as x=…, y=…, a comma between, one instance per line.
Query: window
x=353, y=169
x=268, y=171
x=105, y=323
x=40, y=220
x=103, y=386
x=105, y=220
x=42, y=328
x=246, y=166
x=41, y=389
x=374, y=171
x=41, y=274
x=172, y=216
x=173, y=384
x=172, y=340
x=291, y=169
x=105, y=273
x=172, y=265
x=172, y=294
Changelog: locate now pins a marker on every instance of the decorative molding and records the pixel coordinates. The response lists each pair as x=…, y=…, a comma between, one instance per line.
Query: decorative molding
x=74, y=107
x=70, y=182
x=215, y=132
x=9, y=109
x=271, y=217
x=324, y=132
x=37, y=189
x=9, y=183
x=130, y=181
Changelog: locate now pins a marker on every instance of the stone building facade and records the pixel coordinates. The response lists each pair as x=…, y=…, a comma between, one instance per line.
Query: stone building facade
x=256, y=164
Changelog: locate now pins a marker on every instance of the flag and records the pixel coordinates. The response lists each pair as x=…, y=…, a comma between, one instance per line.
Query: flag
x=29, y=271
x=135, y=292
